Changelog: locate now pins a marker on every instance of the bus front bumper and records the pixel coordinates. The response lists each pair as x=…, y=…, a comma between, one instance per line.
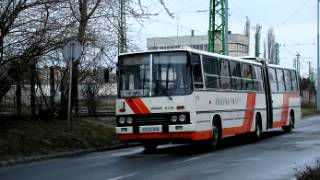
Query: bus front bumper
x=175, y=132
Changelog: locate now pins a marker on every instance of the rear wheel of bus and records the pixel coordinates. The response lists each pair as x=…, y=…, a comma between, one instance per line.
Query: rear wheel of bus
x=289, y=128
x=258, y=130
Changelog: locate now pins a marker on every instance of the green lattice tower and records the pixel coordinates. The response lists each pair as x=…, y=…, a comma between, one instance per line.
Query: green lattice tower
x=216, y=34
x=122, y=34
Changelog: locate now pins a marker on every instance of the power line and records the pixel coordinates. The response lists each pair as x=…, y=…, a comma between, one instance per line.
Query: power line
x=297, y=11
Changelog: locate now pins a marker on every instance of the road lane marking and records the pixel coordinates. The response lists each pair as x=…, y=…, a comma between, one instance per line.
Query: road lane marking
x=130, y=152
x=191, y=159
x=123, y=176
x=194, y=158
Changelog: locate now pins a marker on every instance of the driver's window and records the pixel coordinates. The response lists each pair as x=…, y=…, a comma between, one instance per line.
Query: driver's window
x=197, y=72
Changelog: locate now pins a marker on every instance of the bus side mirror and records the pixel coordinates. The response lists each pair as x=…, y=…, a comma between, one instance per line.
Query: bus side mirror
x=106, y=75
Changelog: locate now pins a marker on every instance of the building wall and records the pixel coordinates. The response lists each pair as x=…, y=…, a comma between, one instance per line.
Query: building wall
x=238, y=43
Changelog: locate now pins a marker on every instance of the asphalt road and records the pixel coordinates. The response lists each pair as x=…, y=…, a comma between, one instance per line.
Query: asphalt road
x=276, y=156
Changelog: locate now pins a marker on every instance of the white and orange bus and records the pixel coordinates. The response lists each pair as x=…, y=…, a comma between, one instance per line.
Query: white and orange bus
x=175, y=96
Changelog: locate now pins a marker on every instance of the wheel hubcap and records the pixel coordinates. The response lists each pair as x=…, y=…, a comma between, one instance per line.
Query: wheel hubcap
x=258, y=131
x=215, y=132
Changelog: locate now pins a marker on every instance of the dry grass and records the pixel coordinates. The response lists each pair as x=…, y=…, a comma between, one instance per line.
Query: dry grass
x=309, y=172
x=309, y=111
x=21, y=138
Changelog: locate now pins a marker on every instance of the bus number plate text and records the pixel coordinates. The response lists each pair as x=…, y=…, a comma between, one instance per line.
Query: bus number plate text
x=151, y=129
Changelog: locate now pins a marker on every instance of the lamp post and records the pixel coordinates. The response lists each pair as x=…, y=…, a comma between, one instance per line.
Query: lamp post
x=318, y=61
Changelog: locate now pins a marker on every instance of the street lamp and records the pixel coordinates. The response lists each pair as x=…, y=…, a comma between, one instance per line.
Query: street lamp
x=318, y=61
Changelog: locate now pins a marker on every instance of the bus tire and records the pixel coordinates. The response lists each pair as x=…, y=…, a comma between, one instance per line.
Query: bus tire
x=214, y=142
x=258, y=129
x=289, y=128
x=149, y=147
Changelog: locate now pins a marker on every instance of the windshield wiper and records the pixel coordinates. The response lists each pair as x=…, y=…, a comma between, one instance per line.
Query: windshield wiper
x=167, y=82
x=165, y=92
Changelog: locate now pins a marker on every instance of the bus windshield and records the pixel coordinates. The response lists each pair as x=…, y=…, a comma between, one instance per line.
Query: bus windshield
x=156, y=74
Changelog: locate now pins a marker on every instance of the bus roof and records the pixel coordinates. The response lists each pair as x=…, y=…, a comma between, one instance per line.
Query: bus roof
x=281, y=67
x=197, y=52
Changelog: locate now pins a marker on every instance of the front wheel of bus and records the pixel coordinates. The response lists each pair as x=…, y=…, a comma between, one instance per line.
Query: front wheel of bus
x=216, y=135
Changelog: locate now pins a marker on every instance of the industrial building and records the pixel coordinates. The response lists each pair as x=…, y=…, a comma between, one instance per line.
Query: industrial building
x=238, y=44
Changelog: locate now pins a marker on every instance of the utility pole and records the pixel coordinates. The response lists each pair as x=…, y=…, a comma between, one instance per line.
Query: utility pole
x=277, y=54
x=310, y=72
x=226, y=28
x=318, y=61
x=122, y=34
x=218, y=28
x=295, y=64
x=298, y=63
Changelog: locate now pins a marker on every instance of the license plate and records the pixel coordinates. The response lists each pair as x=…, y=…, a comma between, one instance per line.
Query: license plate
x=151, y=129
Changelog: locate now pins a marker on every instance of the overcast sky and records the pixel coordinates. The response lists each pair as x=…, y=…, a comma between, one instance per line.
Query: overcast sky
x=294, y=23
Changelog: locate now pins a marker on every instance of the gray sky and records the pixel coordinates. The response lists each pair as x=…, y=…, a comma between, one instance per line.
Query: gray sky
x=294, y=23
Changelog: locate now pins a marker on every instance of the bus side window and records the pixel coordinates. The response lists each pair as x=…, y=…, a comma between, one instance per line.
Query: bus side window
x=280, y=80
x=224, y=74
x=246, y=74
x=273, y=79
x=257, y=76
x=294, y=81
x=235, y=75
x=288, y=82
x=197, y=72
x=210, y=66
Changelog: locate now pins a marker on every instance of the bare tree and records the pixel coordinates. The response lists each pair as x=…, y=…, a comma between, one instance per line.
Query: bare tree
x=271, y=45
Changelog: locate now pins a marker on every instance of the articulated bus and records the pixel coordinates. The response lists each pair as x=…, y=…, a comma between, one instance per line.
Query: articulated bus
x=186, y=95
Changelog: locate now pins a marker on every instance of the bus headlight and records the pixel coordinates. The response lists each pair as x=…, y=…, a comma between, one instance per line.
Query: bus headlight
x=182, y=118
x=122, y=120
x=129, y=120
x=174, y=118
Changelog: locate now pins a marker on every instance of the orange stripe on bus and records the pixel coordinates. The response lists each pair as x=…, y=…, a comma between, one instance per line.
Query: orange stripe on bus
x=248, y=118
x=137, y=106
x=142, y=106
x=196, y=135
x=132, y=105
x=285, y=110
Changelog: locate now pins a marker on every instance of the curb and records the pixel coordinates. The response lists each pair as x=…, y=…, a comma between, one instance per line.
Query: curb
x=64, y=154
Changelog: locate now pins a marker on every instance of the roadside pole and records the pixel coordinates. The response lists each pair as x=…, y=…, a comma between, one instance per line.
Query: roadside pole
x=70, y=84
x=71, y=52
x=318, y=61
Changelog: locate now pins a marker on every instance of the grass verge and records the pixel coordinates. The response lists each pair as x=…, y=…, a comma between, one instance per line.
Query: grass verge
x=309, y=172
x=309, y=111
x=23, y=138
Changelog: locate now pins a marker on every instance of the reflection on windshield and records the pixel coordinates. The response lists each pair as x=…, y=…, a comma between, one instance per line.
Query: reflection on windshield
x=171, y=75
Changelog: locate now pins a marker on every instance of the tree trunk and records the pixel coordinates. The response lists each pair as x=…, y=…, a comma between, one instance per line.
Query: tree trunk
x=74, y=90
x=52, y=90
x=33, y=90
x=18, y=99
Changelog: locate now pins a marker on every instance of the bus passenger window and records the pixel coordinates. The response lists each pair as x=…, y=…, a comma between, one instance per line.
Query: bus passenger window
x=210, y=66
x=257, y=76
x=280, y=80
x=235, y=75
x=288, y=82
x=294, y=81
x=273, y=80
x=224, y=74
x=246, y=74
x=197, y=72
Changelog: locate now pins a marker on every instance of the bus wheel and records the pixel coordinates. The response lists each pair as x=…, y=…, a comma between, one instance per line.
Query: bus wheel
x=258, y=129
x=289, y=128
x=149, y=147
x=216, y=135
